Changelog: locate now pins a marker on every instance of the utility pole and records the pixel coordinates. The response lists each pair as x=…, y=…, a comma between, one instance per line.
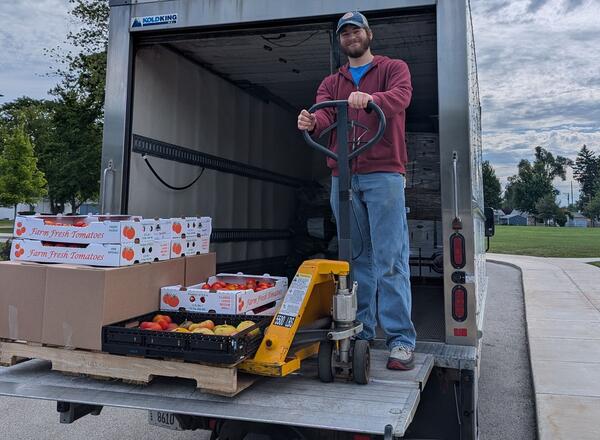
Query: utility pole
x=572, y=199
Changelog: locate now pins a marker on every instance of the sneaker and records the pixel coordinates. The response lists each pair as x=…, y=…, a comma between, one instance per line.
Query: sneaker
x=401, y=358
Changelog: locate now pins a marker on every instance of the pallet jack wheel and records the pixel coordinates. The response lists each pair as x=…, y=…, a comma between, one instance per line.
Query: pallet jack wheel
x=325, y=361
x=361, y=361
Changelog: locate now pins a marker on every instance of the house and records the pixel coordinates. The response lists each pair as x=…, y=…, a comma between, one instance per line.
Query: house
x=578, y=221
x=8, y=212
x=498, y=213
x=515, y=218
x=43, y=206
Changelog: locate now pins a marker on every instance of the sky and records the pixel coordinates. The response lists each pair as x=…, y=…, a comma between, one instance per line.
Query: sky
x=539, y=75
x=538, y=61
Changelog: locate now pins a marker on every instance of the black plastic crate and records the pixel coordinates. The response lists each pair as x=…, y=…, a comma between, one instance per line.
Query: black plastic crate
x=125, y=338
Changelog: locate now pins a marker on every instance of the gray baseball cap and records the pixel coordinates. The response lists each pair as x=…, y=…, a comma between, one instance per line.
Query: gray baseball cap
x=353, y=17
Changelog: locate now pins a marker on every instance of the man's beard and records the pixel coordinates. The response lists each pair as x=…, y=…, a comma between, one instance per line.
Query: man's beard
x=357, y=52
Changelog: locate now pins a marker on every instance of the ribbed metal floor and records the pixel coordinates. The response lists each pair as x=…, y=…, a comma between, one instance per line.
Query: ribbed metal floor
x=300, y=400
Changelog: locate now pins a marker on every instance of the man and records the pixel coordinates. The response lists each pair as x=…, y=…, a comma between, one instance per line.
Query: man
x=378, y=224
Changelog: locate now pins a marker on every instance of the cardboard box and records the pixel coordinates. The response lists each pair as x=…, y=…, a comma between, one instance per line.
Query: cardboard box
x=94, y=254
x=162, y=250
x=80, y=300
x=179, y=227
x=270, y=311
x=188, y=246
x=79, y=229
x=203, y=246
x=197, y=245
x=156, y=229
x=178, y=247
x=182, y=227
x=22, y=294
x=233, y=302
x=205, y=226
x=163, y=229
x=148, y=229
x=198, y=268
x=191, y=226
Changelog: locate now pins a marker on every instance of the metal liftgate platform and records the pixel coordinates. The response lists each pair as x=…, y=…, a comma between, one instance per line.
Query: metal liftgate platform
x=300, y=399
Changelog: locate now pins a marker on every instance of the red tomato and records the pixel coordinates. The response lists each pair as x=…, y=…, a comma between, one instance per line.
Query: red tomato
x=163, y=324
x=150, y=326
x=206, y=286
x=163, y=317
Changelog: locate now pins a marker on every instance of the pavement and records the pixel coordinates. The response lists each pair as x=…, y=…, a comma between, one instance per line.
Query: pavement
x=562, y=308
x=506, y=400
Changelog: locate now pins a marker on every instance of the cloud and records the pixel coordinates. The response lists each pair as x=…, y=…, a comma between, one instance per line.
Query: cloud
x=535, y=5
x=27, y=29
x=538, y=70
x=539, y=78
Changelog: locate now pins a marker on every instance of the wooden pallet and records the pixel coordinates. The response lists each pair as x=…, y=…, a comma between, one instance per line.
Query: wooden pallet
x=209, y=378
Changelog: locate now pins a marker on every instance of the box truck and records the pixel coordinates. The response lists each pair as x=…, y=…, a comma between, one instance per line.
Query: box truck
x=202, y=98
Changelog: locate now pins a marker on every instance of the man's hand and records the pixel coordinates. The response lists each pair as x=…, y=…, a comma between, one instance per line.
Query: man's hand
x=359, y=100
x=306, y=121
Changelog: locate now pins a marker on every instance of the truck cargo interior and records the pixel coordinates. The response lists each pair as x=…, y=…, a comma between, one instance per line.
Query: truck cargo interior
x=232, y=96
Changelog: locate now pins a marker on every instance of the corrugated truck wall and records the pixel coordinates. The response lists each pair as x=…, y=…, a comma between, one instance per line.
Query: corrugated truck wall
x=178, y=102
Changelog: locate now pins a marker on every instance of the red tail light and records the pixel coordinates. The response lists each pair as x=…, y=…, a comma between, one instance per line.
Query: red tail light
x=361, y=437
x=459, y=303
x=457, y=251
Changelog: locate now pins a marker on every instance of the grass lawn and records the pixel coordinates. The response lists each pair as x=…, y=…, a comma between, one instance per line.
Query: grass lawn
x=6, y=226
x=541, y=241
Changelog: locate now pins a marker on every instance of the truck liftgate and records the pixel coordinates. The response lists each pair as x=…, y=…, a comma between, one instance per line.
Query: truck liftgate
x=300, y=400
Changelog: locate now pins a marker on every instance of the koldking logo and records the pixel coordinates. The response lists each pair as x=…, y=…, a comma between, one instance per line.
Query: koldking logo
x=153, y=20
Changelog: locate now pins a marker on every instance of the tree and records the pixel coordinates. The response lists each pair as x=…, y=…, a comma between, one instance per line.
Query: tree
x=534, y=180
x=527, y=187
x=5, y=250
x=36, y=116
x=85, y=72
x=492, y=190
x=592, y=208
x=76, y=156
x=508, y=201
x=562, y=216
x=549, y=166
x=547, y=208
x=79, y=109
x=20, y=179
x=586, y=170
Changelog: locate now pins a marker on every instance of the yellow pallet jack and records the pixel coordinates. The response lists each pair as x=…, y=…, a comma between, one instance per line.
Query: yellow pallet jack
x=318, y=314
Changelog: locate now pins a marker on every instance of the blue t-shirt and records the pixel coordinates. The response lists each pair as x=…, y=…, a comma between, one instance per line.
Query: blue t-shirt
x=358, y=72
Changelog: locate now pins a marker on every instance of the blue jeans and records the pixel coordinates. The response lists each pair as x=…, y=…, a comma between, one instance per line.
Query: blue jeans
x=380, y=253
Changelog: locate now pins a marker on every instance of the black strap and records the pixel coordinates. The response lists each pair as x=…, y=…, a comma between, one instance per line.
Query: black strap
x=175, y=188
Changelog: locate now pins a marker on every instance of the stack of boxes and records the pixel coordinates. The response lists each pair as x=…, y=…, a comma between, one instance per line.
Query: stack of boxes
x=108, y=241
x=66, y=305
x=99, y=283
x=423, y=195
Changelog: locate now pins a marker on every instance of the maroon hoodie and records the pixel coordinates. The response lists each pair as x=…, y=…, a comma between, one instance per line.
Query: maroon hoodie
x=388, y=81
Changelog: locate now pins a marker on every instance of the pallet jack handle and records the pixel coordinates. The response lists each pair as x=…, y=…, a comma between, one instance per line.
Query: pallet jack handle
x=344, y=158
